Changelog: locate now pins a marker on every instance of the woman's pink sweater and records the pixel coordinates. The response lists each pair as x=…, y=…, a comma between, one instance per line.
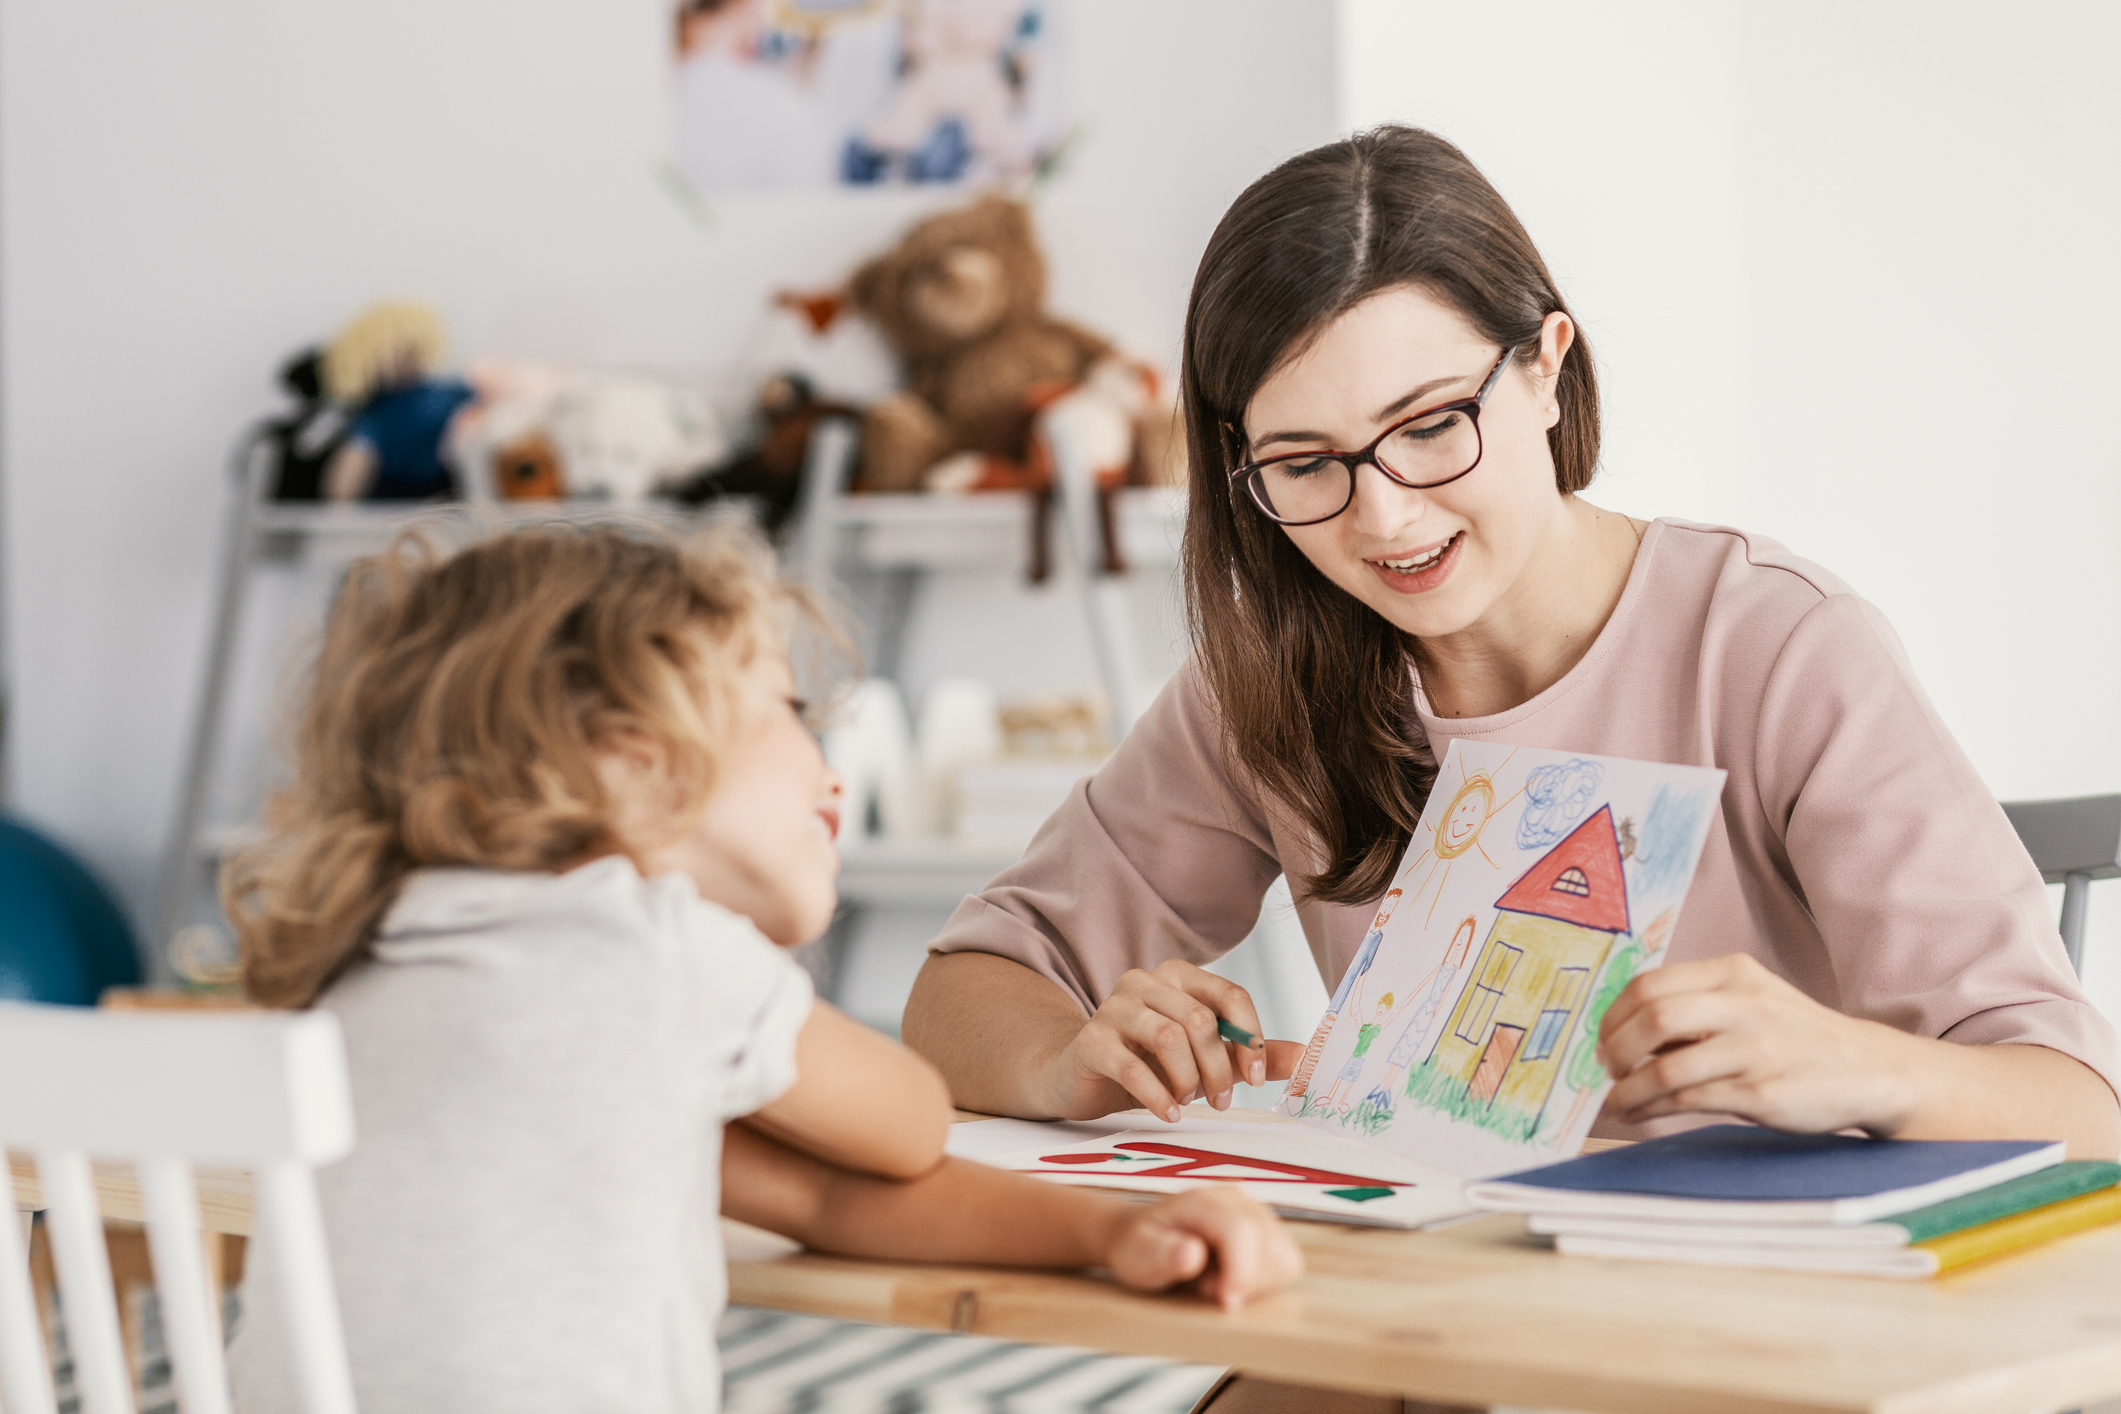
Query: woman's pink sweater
x=1856, y=852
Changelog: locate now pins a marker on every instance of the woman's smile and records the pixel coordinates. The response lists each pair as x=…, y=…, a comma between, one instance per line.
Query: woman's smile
x=1419, y=571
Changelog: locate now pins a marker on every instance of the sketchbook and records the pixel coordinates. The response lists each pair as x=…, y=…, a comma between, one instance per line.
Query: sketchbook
x=1536, y=886
x=1293, y=1169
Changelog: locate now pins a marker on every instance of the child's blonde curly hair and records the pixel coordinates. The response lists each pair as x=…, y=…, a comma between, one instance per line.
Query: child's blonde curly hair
x=457, y=706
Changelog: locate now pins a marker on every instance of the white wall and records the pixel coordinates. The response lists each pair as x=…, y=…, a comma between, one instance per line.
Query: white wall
x=189, y=193
x=1847, y=269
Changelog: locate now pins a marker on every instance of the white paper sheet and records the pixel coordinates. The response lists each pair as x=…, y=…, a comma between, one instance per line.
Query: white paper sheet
x=1537, y=884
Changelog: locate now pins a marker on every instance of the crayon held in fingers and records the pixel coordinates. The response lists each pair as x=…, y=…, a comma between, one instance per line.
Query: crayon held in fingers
x=1235, y=1033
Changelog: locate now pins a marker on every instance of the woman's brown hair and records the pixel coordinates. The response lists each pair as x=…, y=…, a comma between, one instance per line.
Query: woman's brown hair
x=1315, y=689
x=455, y=712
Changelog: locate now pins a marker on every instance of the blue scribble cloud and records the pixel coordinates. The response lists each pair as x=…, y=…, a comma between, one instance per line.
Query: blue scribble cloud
x=1555, y=798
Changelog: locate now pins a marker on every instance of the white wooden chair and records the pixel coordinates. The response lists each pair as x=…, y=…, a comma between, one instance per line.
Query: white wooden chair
x=263, y=1091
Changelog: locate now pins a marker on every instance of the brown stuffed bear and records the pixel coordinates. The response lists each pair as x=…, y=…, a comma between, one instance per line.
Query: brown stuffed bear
x=960, y=301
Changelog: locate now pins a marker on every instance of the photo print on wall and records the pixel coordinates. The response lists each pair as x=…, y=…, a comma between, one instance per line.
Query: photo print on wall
x=1537, y=885
x=786, y=94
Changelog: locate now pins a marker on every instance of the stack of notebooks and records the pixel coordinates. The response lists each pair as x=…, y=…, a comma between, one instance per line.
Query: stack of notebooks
x=1731, y=1195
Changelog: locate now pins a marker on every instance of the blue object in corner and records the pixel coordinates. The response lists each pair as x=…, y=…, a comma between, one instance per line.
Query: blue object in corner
x=62, y=937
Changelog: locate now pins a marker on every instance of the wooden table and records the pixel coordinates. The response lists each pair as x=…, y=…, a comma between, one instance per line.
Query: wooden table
x=1479, y=1314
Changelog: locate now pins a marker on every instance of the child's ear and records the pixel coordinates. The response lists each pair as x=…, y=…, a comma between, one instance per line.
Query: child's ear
x=634, y=770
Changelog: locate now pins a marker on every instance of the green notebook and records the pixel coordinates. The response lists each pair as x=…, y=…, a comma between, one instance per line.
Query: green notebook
x=2035, y=1190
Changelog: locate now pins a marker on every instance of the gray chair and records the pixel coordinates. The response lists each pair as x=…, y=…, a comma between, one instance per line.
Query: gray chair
x=2073, y=842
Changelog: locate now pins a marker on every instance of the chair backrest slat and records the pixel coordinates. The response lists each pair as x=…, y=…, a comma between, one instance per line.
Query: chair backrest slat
x=75, y=1226
x=287, y=1204
x=190, y=1326
x=25, y=1383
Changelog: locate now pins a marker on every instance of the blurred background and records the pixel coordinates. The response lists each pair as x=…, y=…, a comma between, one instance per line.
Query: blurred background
x=1846, y=268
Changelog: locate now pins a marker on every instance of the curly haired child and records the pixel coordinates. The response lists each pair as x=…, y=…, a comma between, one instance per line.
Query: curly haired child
x=555, y=819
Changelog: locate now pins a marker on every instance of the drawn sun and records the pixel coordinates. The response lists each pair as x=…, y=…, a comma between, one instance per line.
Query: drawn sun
x=1458, y=832
x=1468, y=814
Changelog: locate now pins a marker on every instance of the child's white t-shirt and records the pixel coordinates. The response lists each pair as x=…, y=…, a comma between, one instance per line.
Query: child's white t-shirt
x=541, y=1066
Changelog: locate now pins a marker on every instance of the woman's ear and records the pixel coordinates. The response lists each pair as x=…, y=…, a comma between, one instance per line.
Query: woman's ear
x=1557, y=332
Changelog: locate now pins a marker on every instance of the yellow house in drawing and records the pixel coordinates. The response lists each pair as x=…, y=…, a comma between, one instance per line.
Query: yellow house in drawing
x=1510, y=1031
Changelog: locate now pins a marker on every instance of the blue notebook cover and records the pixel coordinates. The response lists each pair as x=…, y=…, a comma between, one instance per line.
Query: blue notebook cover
x=1739, y=1163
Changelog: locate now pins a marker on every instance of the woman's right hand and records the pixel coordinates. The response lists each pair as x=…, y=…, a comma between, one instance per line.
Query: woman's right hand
x=1154, y=1043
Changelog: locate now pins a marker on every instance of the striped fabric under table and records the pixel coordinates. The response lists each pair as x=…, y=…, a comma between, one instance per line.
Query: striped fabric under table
x=774, y=1363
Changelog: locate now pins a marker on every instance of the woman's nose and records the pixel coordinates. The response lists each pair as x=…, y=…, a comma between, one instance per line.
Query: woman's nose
x=1383, y=508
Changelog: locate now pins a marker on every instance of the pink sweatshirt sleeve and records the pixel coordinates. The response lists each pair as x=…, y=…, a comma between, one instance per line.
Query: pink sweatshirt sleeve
x=1157, y=856
x=1934, y=917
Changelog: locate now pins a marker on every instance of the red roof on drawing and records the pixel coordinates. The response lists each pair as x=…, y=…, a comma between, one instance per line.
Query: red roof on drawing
x=1579, y=881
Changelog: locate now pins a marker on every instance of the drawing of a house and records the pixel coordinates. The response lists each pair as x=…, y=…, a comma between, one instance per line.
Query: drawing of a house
x=1510, y=1030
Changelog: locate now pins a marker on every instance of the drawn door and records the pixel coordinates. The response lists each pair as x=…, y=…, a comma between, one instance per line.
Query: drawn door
x=1495, y=1060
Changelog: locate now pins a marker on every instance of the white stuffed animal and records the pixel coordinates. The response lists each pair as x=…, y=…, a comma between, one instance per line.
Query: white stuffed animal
x=624, y=437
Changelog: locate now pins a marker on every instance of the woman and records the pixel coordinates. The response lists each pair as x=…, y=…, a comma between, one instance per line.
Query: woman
x=1865, y=944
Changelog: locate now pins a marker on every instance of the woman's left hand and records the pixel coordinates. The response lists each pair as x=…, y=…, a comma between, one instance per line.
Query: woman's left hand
x=1728, y=1036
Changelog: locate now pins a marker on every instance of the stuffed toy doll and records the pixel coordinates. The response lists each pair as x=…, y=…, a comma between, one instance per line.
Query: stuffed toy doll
x=304, y=441
x=384, y=367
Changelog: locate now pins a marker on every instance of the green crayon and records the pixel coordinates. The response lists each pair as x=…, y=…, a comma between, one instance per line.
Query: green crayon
x=1235, y=1033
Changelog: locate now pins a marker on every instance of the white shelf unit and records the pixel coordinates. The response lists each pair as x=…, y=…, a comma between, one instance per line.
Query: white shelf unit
x=900, y=536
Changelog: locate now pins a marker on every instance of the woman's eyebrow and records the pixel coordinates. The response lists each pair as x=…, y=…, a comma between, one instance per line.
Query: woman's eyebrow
x=1412, y=395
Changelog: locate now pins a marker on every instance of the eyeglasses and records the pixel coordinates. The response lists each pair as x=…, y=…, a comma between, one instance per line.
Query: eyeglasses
x=1432, y=448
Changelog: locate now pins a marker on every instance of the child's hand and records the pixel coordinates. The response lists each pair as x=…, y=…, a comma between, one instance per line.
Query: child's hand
x=1229, y=1247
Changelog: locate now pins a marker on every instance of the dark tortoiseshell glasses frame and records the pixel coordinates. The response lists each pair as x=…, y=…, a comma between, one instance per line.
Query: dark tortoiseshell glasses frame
x=1251, y=473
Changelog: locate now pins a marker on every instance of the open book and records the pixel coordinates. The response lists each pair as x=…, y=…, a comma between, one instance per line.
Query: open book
x=1537, y=884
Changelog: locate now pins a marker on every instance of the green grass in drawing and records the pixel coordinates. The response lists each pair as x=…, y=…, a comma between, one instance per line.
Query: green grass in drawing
x=1430, y=1087
x=1433, y=1088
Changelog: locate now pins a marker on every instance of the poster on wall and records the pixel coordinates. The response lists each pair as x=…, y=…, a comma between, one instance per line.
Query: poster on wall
x=795, y=94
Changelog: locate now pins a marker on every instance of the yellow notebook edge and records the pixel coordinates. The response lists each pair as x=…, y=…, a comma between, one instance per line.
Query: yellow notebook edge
x=2022, y=1230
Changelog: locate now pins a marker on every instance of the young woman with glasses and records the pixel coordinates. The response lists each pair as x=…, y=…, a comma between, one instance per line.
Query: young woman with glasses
x=1866, y=944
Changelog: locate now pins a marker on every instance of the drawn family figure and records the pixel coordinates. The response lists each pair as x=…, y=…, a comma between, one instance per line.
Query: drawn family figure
x=1350, y=980
x=1341, y=1094
x=1413, y=1038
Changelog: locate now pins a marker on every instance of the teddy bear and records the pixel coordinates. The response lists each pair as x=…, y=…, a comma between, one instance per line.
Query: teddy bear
x=987, y=372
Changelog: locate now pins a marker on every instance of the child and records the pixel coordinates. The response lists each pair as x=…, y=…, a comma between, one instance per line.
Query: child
x=554, y=818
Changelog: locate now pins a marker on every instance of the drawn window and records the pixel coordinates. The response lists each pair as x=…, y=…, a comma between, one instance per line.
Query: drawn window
x=1572, y=881
x=1496, y=965
x=1562, y=1000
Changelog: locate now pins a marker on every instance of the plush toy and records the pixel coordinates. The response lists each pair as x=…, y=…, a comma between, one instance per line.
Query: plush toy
x=623, y=438
x=384, y=367
x=542, y=432
x=771, y=470
x=528, y=469
x=500, y=441
x=304, y=441
x=991, y=378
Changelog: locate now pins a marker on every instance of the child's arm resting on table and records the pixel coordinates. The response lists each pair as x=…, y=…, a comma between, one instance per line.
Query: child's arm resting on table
x=1228, y=1247
x=860, y=1100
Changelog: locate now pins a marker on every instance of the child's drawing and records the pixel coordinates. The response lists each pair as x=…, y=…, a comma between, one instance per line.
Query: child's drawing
x=1456, y=832
x=1350, y=983
x=1493, y=1017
